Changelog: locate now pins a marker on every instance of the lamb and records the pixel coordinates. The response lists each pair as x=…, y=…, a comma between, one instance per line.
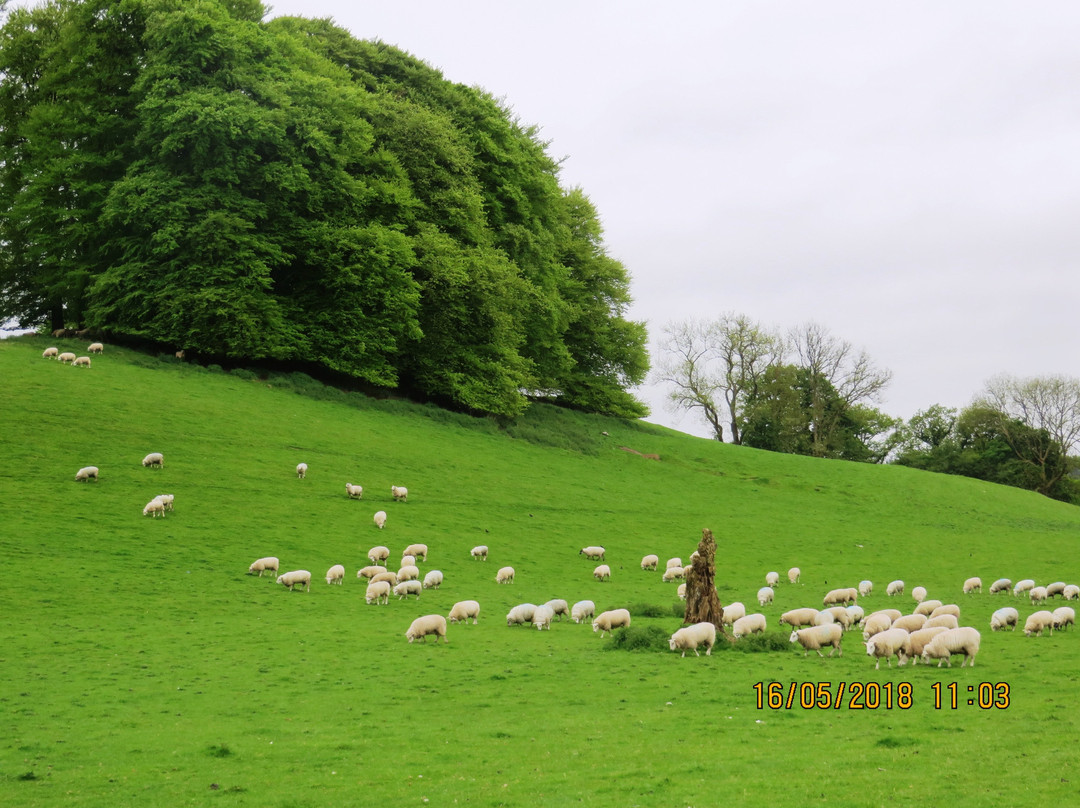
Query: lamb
x=380, y=519
x=592, y=553
x=865, y=588
x=947, y=608
x=154, y=508
x=428, y=624
x=301, y=470
x=963, y=640
x=1071, y=592
x=1056, y=588
x=1037, y=621
x=1000, y=585
x=1006, y=617
x=942, y=621
x=602, y=573
x=50, y=353
x=377, y=592
x=95, y=347
x=520, y=614
x=479, y=552
x=793, y=575
x=542, y=617
x=772, y=578
x=582, y=610
x=390, y=577
x=765, y=595
x=886, y=643
x=417, y=550
x=406, y=588
x=408, y=573
x=378, y=553
x=400, y=493
x=750, y=624
x=920, y=639
x=650, y=562
x=505, y=575
x=732, y=612
x=433, y=580
x=336, y=575
x=895, y=588
x=919, y=593
x=673, y=562
x=370, y=571
x=1025, y=585
x=972, y=585
x=610, y=620
x=1064, y=616
x=294, y=578
x=83, y=361
x=66, y=356
x=689, y=638
x=875, y=624
x=910, y=622
x=1038, y=594
x=681, y=592
x=461, y=611
x=355, y=491
x=559, y=607
x=814, y=639
x=841, y=596
x=86, y=474
x=154, y=460
x=261, y=565
x=672, y=574
x=927, y=607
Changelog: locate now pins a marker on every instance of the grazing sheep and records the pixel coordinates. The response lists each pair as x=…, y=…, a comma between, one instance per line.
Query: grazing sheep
x=920, y=639
x=1064, y=616
x=887, y=643
x=602, y=572
x=301, y=470
x=261, y=565
x=764, y=595
x=673, y=574
x=82, y=361
x=1025, y=585
x=378, y=553
x=1037, y=621
x=86, y=474
x=963, y=640
x=370, y=571
x=167, y=500
x=154, y=508
x=650, y=562
x=942, y=620
x=772, y=578
x=1056, y=588
x=520, y=614
x=927, y=607
x=336, y=575
x=592, y=553
x=389, y=577
x=355, y=491
x=559, y=608
x=842, y=616
x=409, y=587
x=433, y=580
x=947, y=608
x=793, y=575
x=750, y=624
x=919, y=593
x=180, y=355
x=294, y=578
x=1037, y=594
x=681, y=591
x=841, y=596
x=817, y=637
x=1007, y=617
x=66, y=356
x=972, y=585
x=1071, y=592
x=479, y=552
x=895, y=588
x=428, y=624
x=875, y=624
x=689, y=638
x=400, y=493
x=674, y=562
x=857, y=614
x=379, y=519
x=95, y=347
x=461, y=611
x=377, y=592
x=505, y=575
x=732, y=612
x=154, y=460
x=582, y=610
x=408, y=573
x=50, y=353
x=910, y=622
x=894, y=614
x=824, y=618
x=418, y=551
x=1000, y=585
x=408, y=561
x=865, y=588
x=542, y=617
x=611, y=620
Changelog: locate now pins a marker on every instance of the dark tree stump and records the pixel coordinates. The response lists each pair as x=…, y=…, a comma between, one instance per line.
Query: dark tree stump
x=702, y=602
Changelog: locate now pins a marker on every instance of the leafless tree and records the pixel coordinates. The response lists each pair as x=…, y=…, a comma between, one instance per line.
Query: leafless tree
x=1042, y=402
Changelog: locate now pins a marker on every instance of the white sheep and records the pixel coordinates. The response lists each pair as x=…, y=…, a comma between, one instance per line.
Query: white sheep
x=409, y=573
x=681, y=592
x=750, y=624
x=400, y=493
x=895, y=588
x=964, y=640
x=168, y=500
x=370, y=571
x=461, y=611
x=610, y=620
x=520, y=614
x=920, y=639
x=1056, y=588
x=1037, y=594
x=428, y=624
x=355, y=491
x=972, y=585
x=841, y=596
x=732, y=612
x=887, y=643
x=542, y=617
x=505, y=575
x=919, y=593
x=336, y=575
x=593, y=553
x=602, y=572
x=946, y=608
x=301, y=470
x=765, y=595
x=772, y=578
x=294, y=578
x=674, y=562
x=66, y=356
x=857, y=614
x=942, y=621
x=389, y=577
x=875, y=624
x=582, y=610
x=86, y=474
x=433, y=580
x=82, y=361
x=154, y=460
x=910, y=622
x=793, y=575
x=1064, y=616
x=817, y=637
x=1006, y=617
x=95, y=347
x=927, y=607
x=1000, y=585
x=409, y=587
x=480, y=552
x=1025, y=585
x=824, y=618
x=408, y=561
x=842, y=616
x=377, y=592
x=1071, y=592
x=672, y=574
x=154, y=508
x=420, y=551
x=261, y=565
x=1037, y=621
x=865, y=588
x=691, y=637
x=559, y=608
x=894, y=614
x=378, y=553
x=50, y=353
x=379, y=519
x=650, y=562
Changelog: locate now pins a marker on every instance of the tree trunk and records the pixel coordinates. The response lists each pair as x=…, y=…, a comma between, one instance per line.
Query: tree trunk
x=702, y=602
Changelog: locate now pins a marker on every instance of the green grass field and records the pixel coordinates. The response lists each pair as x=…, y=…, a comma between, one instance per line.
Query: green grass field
x=141, y=665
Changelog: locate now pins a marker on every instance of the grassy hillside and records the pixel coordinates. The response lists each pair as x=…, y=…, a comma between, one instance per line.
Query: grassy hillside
x=141, y=665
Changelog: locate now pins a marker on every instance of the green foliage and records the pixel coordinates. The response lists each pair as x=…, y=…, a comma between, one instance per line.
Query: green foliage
x=640, y=638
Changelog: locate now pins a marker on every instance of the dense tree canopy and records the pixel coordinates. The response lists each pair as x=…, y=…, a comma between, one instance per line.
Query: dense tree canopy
x=183, y=172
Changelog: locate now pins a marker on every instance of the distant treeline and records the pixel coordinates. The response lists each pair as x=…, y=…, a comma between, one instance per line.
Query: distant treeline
x=180, y=171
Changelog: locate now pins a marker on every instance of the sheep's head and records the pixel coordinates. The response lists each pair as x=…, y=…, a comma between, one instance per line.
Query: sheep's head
x=671, y=643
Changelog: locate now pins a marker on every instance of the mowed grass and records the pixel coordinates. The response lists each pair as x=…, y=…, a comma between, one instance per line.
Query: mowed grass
x=141, y=665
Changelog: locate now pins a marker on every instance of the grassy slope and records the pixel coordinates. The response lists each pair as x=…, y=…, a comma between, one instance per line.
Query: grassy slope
x=140, y=665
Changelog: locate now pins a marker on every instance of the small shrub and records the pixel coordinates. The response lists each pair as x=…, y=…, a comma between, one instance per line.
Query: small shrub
x=215, y=368
x=640, y=638
x=245, y=374
x=219, y=750
x=759, y=643
x=649, y=610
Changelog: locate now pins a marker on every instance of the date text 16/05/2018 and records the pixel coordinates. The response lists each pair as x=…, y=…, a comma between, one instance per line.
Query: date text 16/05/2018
x=878, y=695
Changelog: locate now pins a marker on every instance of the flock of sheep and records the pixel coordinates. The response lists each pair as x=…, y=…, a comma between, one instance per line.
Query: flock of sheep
x=68, y=356
x=155, y=507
